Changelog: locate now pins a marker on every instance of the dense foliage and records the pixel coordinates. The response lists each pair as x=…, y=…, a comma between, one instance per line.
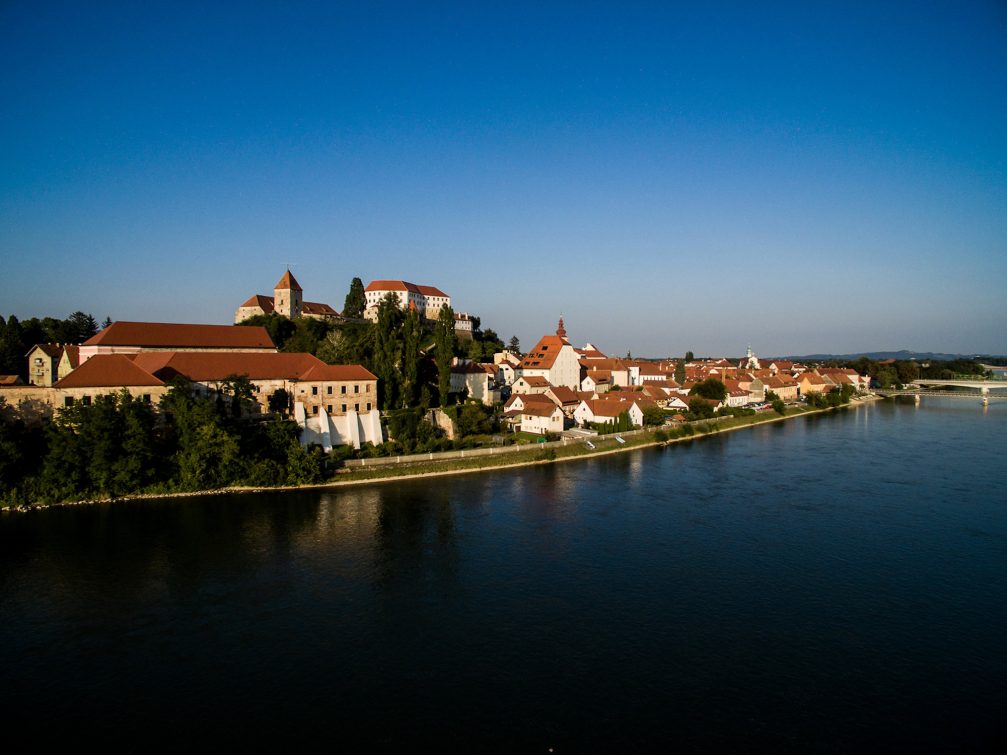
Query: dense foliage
x=119, y=444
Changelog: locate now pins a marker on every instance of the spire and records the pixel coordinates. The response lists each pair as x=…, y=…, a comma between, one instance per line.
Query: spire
x=561, y=331
x=288, y=282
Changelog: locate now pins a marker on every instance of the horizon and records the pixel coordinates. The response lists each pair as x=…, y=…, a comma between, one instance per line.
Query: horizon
x=667, y=178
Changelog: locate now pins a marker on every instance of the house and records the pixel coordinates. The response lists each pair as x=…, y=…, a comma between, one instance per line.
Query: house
x=43, y=363
x=479, y=380
x=554, y=359
x=134, y=337
x=565, y=398
x=518, y=401
x=599, y=381
x=541, y=418
x=530, y=384
x=809, y=382
x=600, y=411
x=783, y=386
x=427, y=300
x=287, y=300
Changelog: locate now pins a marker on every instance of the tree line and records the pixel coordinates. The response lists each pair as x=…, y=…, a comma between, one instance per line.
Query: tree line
x=120, y=444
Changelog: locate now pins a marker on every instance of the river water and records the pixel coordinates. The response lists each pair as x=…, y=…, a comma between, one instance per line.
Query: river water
x=830, y=583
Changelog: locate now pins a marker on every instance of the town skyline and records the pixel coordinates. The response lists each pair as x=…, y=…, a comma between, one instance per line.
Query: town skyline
x=667, y=179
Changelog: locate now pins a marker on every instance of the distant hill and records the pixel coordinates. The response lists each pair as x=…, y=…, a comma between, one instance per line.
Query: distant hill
x=920, y=356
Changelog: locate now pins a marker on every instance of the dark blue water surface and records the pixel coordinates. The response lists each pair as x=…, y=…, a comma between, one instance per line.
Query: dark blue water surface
x=831, y=583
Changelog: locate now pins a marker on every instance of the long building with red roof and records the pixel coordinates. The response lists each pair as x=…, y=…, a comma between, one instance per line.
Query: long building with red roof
x=427, y=300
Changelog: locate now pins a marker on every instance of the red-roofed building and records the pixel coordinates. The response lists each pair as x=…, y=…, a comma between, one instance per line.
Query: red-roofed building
x=287, y=300
x=428, y=300
x=334, y=404
x=542, y=418
x=134, y=337
x=554, y=359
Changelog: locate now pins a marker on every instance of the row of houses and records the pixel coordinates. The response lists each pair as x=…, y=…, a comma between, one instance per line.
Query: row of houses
x=334, y=404
x=556, y=385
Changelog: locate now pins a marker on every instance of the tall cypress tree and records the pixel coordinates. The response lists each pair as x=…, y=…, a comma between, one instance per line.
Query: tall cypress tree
x=388, y=351
x=445, y=341
x=355, y=302
x=412, y=333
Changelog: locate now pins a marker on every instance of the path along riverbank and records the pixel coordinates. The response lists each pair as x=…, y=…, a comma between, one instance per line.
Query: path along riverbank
x=420, y=467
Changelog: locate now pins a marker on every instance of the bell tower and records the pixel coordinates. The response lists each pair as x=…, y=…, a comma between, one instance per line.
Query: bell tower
x=288, y=296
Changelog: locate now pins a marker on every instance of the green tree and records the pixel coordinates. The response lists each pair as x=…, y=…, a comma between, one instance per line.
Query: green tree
x=211, y=459
x=388, y=351
x=653, y=415
x=356, y=301
x=514, y=345
x=778, y=406
x=700, y=409
x=280, y=328
x=680, y=371
x=412, y=334
x=689, y=356
x=709, y=388
x=84, y=326
x=445, y=342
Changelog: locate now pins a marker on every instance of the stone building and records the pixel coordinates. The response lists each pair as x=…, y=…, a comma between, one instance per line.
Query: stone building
x=287, y=300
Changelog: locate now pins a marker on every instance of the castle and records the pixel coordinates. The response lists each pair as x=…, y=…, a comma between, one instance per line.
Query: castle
x=287, y=300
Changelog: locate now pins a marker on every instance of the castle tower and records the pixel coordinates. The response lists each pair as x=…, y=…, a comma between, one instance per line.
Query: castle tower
x=288, y=296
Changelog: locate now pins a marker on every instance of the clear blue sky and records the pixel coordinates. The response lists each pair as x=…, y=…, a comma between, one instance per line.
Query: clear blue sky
x=803, y=177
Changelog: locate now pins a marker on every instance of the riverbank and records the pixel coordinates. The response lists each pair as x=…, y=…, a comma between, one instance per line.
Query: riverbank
x=422, y=468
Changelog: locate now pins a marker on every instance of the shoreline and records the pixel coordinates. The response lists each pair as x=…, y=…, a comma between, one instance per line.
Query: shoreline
x=434, y=472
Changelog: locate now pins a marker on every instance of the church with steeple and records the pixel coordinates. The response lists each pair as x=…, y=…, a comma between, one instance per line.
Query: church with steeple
x=287, y=300
x=553, y=358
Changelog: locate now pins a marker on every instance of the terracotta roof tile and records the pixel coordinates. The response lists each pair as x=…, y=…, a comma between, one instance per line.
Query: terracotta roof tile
x=288, y=281
x=169, y=335
x=108, y=371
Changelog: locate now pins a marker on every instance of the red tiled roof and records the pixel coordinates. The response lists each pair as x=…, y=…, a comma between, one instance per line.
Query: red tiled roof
x=540, y=410
x=390, y=285
x=108, y=371
x=53, y=350
x=338, y=372
x=288, y=281
x=169, y=335
x=10, y=380
x=536, y=381
x=265, y=303
x=211, y=365
x=563, y=394
x=431, y=291
x=317, y=308
x=72, y=352
x=543, y=355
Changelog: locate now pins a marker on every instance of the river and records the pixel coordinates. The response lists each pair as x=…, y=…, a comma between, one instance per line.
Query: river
x=830, y=583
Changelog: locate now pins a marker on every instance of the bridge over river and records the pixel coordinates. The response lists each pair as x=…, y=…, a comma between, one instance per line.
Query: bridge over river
x=956, y=388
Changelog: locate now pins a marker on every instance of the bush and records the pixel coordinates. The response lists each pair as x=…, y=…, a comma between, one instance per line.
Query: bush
x=778, y=406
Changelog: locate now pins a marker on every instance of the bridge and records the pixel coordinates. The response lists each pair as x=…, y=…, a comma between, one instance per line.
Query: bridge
x=981, y=389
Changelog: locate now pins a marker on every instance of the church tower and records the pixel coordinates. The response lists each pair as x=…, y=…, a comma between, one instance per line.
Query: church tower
x=288, y=297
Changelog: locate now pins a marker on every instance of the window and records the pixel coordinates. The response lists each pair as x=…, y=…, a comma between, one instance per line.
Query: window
x=86, y=401
x=328, y=408
x=329, y=390
x=146, y=398
x=343, y=408
x=314, y=410
x=356, y=407
x=356, y=389
x=68, y=401
x=342, y=390
x=368, y=406
x=314, y=390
